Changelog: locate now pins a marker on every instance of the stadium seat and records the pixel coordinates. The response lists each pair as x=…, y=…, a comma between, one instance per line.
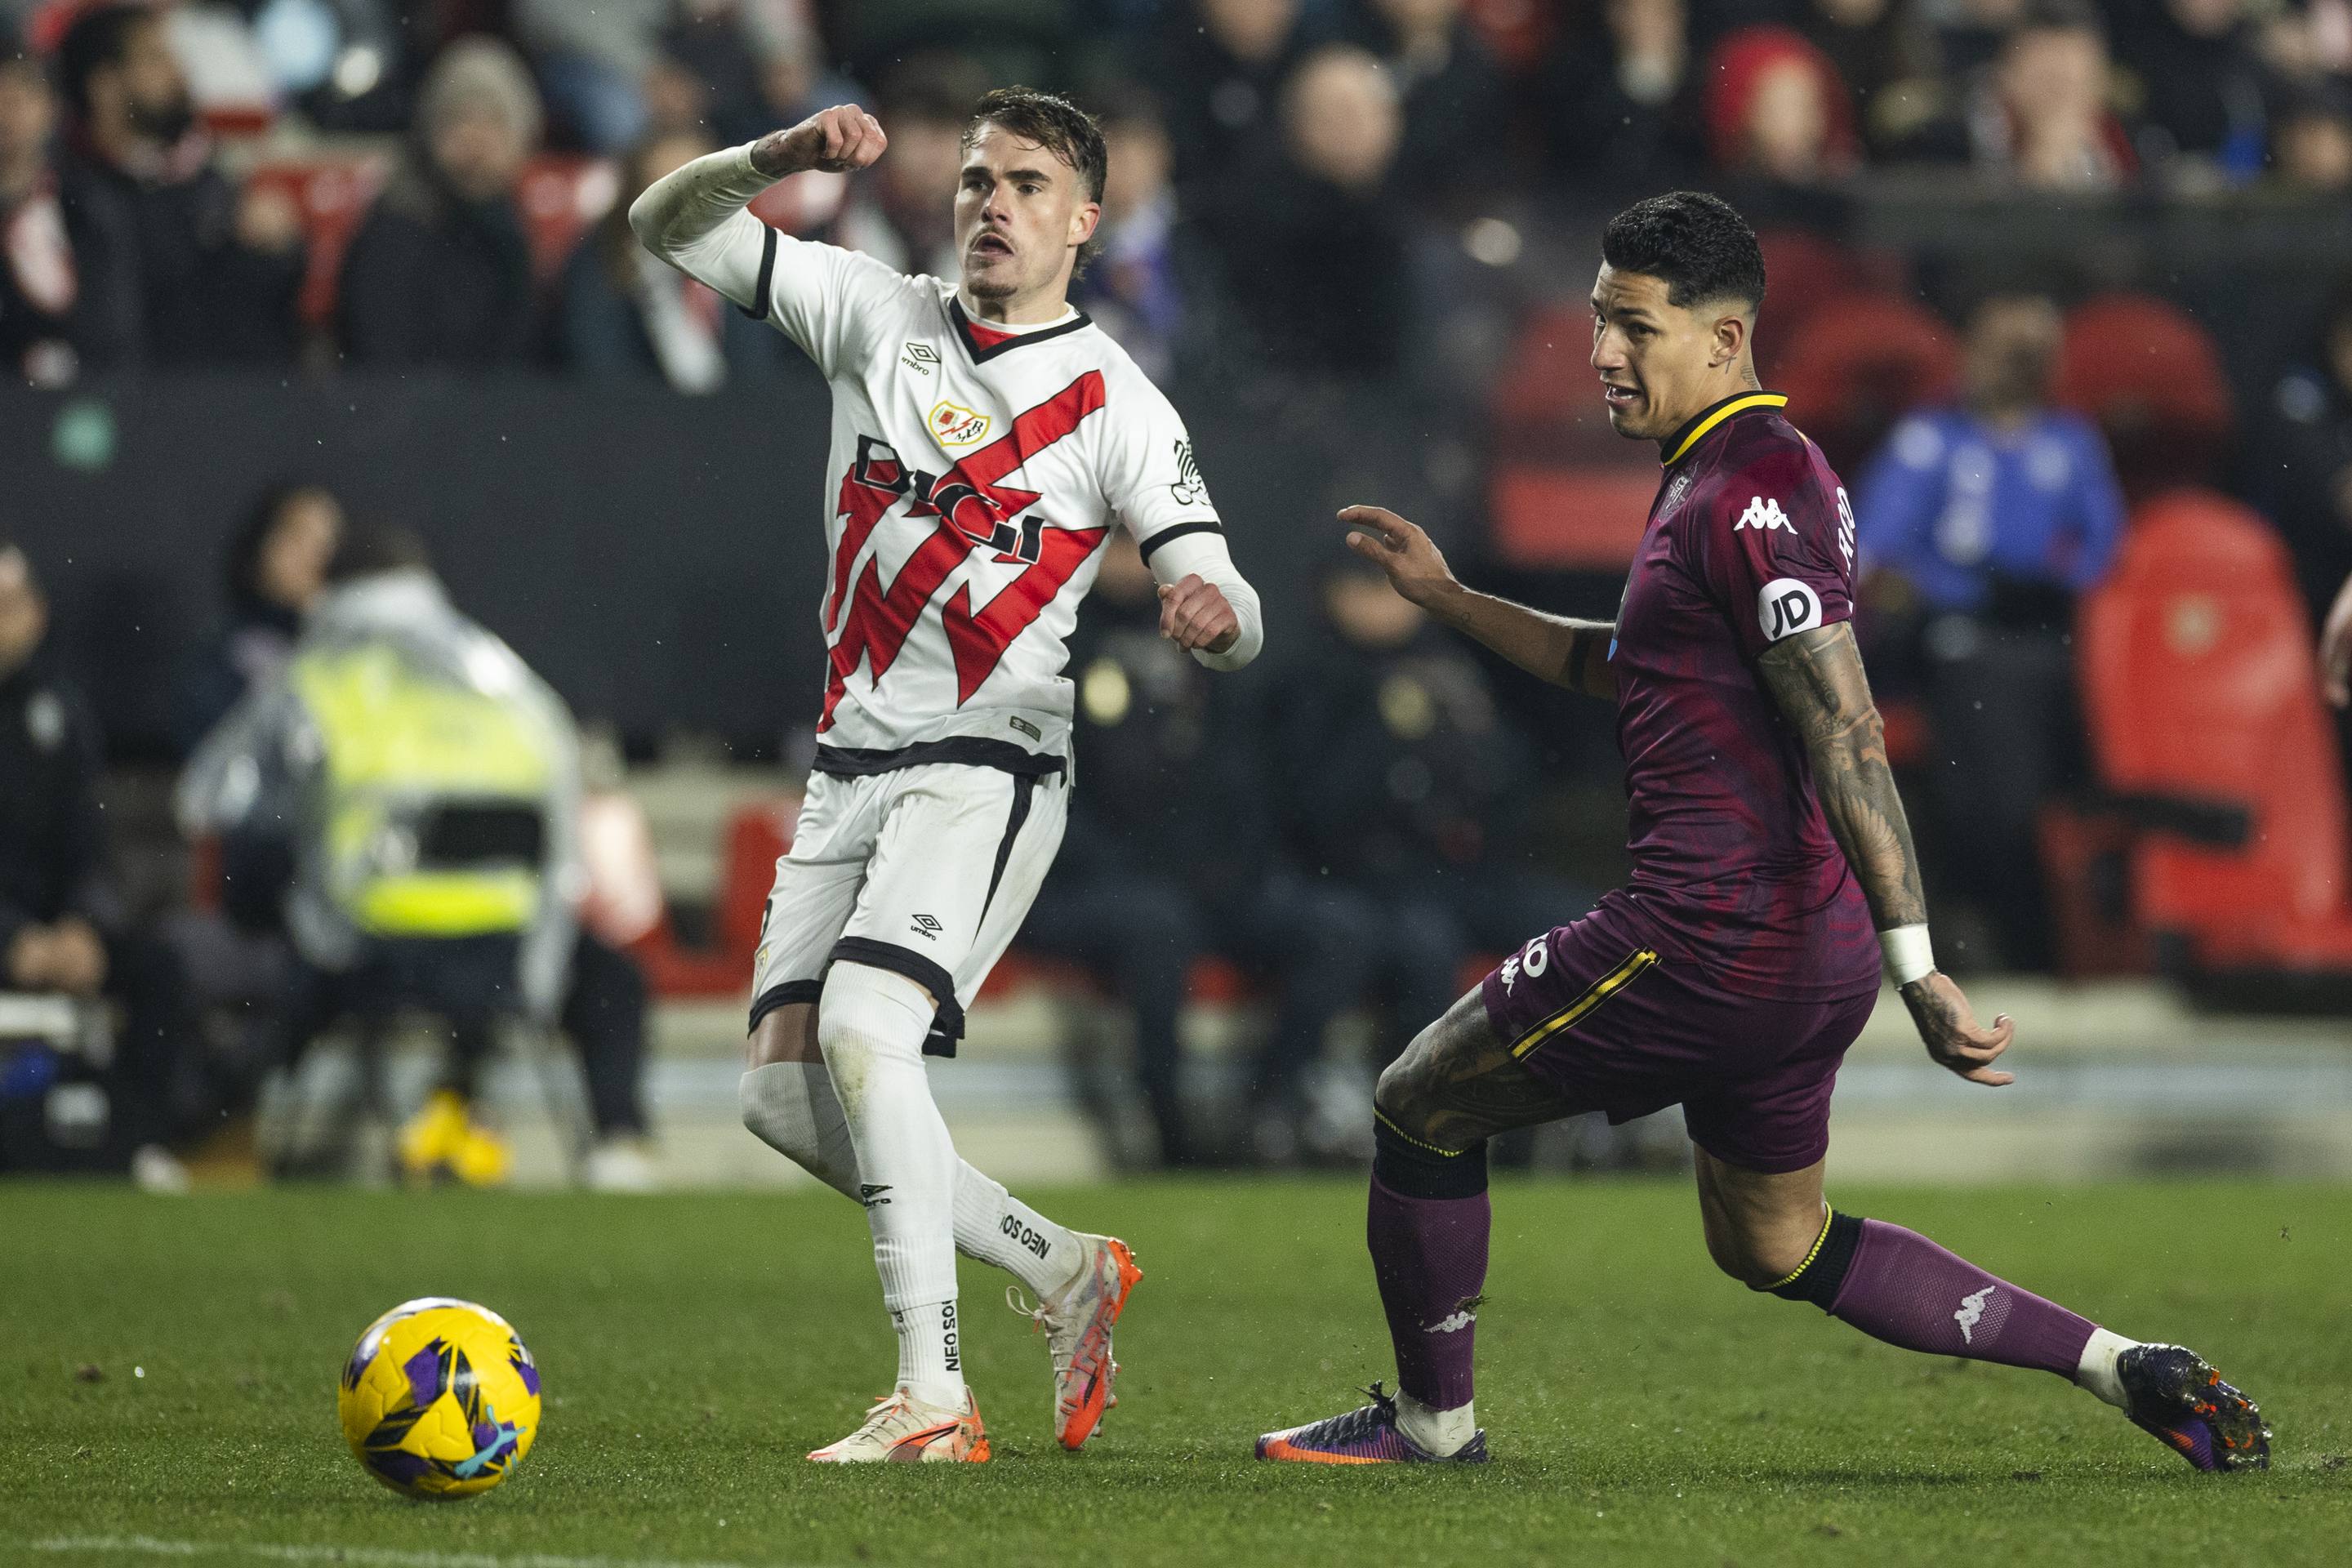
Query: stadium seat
x=757, y=836
x=332, y=197
x=2153, y=380
x=2207, y=730
x=1862, y=361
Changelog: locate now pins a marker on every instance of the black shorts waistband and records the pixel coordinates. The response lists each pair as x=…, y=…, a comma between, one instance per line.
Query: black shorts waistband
x=963, y=750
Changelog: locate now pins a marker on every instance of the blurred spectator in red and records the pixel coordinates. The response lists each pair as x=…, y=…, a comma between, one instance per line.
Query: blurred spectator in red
x=2300, y=471
x=901, y=212
x=2201, y=85
x=1455, y=147
x=276, y=572
x=1777, y=112
x=2042, y=120
x=37, y=281
x=623, y=312
x=440, y=272
x=2310, y=140
x=1313, y=245
x=176, y=266
x=63, y=926
x=1220, y=66
x=1619, y=100
x=1886, y=55
x=1995, y=516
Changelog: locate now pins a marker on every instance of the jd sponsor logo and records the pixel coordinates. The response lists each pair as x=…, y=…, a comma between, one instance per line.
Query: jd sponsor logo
x=1785, y=607
x=953, y=425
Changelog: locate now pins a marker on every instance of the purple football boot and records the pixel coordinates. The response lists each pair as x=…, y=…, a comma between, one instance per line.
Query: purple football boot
x=2173, y=1394
x=1368, y=1435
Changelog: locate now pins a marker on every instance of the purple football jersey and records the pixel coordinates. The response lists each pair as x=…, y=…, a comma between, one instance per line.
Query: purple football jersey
x=1750, y=540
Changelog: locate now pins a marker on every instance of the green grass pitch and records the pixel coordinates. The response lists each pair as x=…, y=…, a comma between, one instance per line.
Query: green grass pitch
x=1643, y=1409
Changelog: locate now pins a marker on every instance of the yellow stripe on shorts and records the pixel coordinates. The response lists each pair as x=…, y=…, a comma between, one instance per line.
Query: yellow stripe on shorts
x=1576, y=1012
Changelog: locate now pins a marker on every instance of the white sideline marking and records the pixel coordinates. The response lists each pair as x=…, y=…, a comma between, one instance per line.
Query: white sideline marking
x=367, y=1557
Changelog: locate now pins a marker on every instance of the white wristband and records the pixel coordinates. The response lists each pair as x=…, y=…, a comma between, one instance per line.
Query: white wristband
x=1909, y=955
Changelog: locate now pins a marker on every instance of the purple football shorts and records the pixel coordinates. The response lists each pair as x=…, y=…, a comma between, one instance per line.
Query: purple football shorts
x=1597, y=1013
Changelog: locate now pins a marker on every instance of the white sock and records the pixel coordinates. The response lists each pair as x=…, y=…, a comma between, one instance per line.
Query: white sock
x=792, y=1109
x=930, y=1356
x=994, y=1227
x=1436, y=1432
x=870, y=1024
x=2097, y=1369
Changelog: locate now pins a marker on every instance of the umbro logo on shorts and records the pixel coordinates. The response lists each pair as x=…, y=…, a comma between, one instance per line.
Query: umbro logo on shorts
x=870, y=1195
x=928, y=928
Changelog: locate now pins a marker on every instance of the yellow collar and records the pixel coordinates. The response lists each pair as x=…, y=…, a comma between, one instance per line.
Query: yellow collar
x=1678, y=445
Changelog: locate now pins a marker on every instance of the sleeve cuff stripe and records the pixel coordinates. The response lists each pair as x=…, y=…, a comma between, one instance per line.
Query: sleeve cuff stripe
x=1179, y=532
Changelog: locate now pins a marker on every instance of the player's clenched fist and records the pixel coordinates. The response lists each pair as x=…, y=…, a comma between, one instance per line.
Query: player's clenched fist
x=1194, y=614
x=1416, y=567
x=838, y=140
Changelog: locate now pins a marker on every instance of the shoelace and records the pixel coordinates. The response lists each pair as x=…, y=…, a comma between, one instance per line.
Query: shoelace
x=1361, y=1424
x=1041, y=1322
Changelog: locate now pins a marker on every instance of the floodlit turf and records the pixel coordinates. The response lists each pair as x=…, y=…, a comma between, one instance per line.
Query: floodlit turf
x=1643, y=1409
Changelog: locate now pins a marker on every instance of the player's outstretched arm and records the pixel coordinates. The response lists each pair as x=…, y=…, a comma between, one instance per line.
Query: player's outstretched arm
x=1816, y=678
x=694, y=220
x=1571, y=653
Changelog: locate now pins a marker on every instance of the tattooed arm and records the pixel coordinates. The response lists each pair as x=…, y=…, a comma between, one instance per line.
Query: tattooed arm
x=1566, y=652
x=1816, y=680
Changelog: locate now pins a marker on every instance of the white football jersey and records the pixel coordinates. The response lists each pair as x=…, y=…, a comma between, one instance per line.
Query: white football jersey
x=973, y=478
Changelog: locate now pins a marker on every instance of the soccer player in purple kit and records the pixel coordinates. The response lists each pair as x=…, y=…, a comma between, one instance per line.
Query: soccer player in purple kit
x=1772, y=876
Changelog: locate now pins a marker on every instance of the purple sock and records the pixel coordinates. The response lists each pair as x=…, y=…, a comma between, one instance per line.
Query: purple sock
x=1430, y=1257
x=1906, y=1289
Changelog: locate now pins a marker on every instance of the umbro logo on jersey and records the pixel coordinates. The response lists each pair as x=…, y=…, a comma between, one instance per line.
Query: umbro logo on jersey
x=1027, y=729
x=870, y=1194
x=1972, y=1313
x=953, y=425
x=1764, y=515
x=928, y=928
x=920, y=358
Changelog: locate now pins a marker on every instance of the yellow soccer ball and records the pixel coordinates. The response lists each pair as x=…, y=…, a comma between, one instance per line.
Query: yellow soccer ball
x=439, y=1398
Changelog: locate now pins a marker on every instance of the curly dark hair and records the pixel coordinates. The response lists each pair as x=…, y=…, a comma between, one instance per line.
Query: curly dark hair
x=1695, y=243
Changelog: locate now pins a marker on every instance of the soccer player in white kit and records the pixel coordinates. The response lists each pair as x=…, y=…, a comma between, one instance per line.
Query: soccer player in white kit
x=986, y=439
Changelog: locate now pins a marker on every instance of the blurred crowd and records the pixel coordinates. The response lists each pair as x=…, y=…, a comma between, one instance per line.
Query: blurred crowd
x=1308, y=190
x=322, y=182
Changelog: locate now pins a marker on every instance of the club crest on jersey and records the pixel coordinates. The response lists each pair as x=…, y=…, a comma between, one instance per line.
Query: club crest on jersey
x=953, y=425
x=1765, y=515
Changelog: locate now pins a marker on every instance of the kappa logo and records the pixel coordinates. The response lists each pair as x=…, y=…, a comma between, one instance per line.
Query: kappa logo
x=928, y=928
x=1785, y=607
x=1510, y=971
x=1763, y=515
x=953, y=425
x=920, y=358
x=1972, y=1313
x=1453, y=1325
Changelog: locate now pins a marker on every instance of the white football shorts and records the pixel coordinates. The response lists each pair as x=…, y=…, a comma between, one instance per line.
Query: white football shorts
x=927, y=871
